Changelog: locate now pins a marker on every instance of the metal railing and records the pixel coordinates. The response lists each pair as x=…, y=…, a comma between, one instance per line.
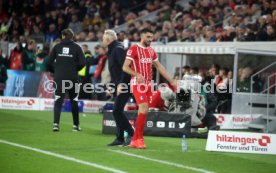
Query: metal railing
x=252, y=82
x=267, y=98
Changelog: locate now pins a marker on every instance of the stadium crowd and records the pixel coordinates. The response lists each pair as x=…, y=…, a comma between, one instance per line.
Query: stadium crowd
x=204, y=20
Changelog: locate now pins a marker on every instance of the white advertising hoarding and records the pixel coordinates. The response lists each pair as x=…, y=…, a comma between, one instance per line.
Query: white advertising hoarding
x=241, y=142
x=19, y=103
x=235, y=121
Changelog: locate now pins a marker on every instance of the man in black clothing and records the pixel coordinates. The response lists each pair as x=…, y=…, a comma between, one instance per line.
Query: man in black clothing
x=66, y=59
x=116, y=57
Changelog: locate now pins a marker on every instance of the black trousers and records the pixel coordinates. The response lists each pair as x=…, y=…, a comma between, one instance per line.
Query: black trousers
x=82, y=94
x=121, y=120
x=73, y=93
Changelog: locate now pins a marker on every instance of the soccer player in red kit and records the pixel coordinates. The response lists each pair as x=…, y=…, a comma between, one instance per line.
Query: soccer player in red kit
x=141, y=57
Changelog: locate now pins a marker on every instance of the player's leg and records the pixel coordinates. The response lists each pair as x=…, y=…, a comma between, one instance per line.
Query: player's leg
x=59, y=97
x=140, y=95
x=122, y=122
x=73, y=95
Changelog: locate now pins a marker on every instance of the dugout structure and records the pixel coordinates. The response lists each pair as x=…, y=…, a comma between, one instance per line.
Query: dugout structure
x=259, y=60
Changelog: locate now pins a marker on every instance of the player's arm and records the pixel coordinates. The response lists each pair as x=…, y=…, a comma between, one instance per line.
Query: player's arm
x=160, y=68
x=128, y=70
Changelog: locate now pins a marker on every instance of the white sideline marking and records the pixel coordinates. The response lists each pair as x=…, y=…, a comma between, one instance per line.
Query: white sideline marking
x=163, y=162
x=63, y=157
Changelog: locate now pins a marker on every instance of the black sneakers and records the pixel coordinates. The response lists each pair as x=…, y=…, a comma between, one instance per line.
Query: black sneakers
x=116, y=142
x=55, y=127
x=127, y=141
x=76, y=128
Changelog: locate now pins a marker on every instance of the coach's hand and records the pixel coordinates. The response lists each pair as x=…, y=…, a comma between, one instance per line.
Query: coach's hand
x=140, y=78
x=109, y=92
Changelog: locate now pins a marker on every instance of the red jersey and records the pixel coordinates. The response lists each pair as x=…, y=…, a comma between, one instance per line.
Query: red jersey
x=142, y=58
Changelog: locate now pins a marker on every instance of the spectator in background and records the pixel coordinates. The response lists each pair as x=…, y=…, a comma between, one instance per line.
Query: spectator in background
x=29, y=56
x=52, y=34
x=185, y=71
x=223, y=80
x=75, y=24
x=176, y=76
x=172, y=36
x=99, y=69
x=3, y=73
x=210, y=36
x=16, y=28
x=116, y=20
x=61, y=25
x=37, y=34
x=3, y=34
x=241, y=33
x=40, y=23
x=194, y=72
x=250, y=34
x=91, y=37
x=83, y=73
x=243, y=84
x=92, y=63
x=102, y=74
x=81, y=36
x=4, y=58
x=87, y=22
x=214, y=73
x=16, y=56
x=41, y=57
x=271, y=32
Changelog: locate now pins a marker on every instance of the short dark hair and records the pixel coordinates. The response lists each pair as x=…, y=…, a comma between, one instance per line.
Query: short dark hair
x=67, y=34
x=146, y=30
x=85, y=45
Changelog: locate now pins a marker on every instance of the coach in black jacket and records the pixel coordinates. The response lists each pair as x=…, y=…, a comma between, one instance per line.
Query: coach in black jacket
x=116, y=57
x=66, y=59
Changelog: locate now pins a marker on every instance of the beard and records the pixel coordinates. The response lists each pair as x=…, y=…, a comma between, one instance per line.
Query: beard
x=147, y=43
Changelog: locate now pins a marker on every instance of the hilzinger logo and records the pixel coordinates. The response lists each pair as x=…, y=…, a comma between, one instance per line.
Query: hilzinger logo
x=220, y=119
x=263, y=141
x=31, y=102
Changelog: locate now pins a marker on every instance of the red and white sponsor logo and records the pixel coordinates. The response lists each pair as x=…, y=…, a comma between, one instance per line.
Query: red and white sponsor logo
x=220, y=119
x=19, y=103
x=235, y=121
x=8, y=101
x=49, y=102
x=31, y=102
x=242, y=142
x=262, y=141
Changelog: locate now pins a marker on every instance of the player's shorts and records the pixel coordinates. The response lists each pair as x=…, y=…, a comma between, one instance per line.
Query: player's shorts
x=142, y=93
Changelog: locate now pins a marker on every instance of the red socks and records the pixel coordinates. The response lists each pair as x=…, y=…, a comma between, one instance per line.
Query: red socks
x=140, y=125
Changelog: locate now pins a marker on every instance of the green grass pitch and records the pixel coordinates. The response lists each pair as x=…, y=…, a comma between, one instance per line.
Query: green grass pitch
x=34, y=129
